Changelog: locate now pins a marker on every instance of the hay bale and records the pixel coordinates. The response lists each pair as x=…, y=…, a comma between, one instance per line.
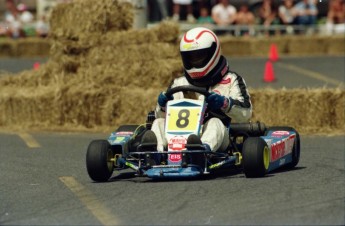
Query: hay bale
x=32, y=47
x=306, y=45
x=6, y=48
x=93, y=74
x=308, y=110
x=76, y=20
x=102, y=74
x=335, y=45
x=261, y=46
x=235, y=46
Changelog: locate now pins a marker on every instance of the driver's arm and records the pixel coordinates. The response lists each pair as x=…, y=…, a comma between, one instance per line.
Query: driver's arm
x=240, y=107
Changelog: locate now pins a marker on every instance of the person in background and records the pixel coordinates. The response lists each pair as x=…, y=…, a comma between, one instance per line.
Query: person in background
x=177, y=7
x=306, y=12
x=26, y=19
x=287, y=14
x=336, y=17
x=42, y=27
x=267, y=13
x=223, y=13
x=205, y=18
x=268, y=16
x=163, y=8
x=246, y=20
x=12, y=21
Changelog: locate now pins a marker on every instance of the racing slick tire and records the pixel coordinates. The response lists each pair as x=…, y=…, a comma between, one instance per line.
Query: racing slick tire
x=98, y=160
x=256, y=158
x=296, y=150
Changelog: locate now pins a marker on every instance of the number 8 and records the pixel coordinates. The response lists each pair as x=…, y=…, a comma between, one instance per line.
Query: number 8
x=183, y=117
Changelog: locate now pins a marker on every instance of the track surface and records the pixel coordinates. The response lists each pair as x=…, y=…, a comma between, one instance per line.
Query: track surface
x=44, y=179
x=49, y=185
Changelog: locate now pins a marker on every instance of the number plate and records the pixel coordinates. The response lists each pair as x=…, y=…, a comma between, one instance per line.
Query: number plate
x=183, y=116
x=182, y=119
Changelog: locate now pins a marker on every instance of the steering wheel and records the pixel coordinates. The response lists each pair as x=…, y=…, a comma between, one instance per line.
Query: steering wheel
x=202, y=91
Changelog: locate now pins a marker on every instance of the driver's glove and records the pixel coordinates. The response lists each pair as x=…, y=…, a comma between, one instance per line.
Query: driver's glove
x=163, y=99
x=216, y=101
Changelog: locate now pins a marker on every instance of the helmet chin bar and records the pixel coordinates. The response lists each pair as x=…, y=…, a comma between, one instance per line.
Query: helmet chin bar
x=211, y=78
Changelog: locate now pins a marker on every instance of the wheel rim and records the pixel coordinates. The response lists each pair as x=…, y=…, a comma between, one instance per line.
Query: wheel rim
x=266, y=158
x=109, y=162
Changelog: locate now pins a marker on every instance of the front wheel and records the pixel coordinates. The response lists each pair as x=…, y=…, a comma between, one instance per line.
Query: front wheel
x=98, y=160
x=256, y=157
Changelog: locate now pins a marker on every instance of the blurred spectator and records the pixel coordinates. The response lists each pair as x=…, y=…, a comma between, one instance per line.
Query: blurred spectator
x=223, y=13
x=177, y=8
x=267, y=13
x=245, y=18
x=163, y=8
x=3, y=29
x=12, y=20
x=26, y=19
x=205, y=17
x=336, y=17
x=25, y=15
x=306, y=12
x=42, y=27
x=287, y=12
x=287, y=15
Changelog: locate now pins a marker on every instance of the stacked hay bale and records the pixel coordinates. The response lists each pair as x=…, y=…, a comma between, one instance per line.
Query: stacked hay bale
x=101, y=73
x=312, y=111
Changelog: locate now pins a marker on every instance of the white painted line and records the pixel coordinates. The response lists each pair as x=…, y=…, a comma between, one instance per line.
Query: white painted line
x=311, y=74
x=29, y=140
x=90, y=201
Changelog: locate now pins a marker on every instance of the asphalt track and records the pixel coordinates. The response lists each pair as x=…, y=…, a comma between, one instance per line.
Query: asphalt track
x=44, y=180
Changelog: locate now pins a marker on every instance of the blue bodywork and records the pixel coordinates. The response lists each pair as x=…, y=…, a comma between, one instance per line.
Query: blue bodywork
x=120, y=139
x=283, y=140
x=174, y=172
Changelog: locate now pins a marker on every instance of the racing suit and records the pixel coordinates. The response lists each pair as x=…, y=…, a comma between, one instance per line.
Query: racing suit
x=214, y=132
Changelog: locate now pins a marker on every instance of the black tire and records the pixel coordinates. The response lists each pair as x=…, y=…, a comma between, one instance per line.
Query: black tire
x=255, y=154
x=98, y=164
x=296, y=150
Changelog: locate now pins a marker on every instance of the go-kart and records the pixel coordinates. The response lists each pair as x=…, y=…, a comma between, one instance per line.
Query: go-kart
x=254, y=148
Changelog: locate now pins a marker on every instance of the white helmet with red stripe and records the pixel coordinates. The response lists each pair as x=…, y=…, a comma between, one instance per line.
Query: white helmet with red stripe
x=200, y=52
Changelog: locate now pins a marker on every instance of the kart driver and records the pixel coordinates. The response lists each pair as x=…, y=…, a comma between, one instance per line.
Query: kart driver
x=204, y=66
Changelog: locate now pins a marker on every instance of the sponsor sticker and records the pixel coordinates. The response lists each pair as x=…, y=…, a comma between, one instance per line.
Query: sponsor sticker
x=282, y=148
x=118, y=140
x=190, y=46
x=176, y=143
x=280, y=133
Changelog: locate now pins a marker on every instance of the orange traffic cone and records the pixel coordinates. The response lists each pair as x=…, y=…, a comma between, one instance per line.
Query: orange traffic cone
x=269, y=72
x=36, y=65
x=273, y=54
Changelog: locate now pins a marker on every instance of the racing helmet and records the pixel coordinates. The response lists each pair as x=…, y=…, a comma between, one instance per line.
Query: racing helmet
x=200, y=52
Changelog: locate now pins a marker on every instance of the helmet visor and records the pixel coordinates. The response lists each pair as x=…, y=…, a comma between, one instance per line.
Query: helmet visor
x=198, y=58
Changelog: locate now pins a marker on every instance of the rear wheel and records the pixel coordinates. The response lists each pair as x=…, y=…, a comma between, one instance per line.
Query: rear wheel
x=98, y=160
x=256, y=157
x=296, y=147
